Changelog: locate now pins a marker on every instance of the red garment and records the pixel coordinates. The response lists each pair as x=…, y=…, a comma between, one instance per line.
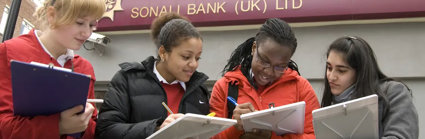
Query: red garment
x=174, y=95
x=26, y=48
x=289, y=88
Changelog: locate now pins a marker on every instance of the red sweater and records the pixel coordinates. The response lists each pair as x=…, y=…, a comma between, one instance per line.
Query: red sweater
x=26, y=48
x=289, y=88
x=174, y=95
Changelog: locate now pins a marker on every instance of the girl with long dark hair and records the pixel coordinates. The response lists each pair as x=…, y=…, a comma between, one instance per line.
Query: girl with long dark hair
x=352, y=72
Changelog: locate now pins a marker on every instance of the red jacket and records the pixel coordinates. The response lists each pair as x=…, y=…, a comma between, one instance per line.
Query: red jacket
x=26, y=48
x=289, y=88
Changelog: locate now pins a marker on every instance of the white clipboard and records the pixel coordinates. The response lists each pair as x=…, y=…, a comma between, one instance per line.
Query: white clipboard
x=282, y=120
x=193, y=126
x=355, y=119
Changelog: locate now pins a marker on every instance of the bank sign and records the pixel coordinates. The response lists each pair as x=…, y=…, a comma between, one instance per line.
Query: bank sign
x=139, y=14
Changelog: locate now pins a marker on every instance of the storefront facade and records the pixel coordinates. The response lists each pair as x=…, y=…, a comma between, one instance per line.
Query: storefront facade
x=395, y=30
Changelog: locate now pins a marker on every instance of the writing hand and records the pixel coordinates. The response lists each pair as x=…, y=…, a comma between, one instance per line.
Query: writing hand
x=239, y=110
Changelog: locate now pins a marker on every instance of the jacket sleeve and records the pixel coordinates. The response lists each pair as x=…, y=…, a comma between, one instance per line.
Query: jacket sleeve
x=114, y=120
x=218, y=104
x=401, y=119
x=307, y=95
x=17, y=126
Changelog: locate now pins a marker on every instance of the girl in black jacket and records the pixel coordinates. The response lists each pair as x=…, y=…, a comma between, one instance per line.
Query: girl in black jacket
x=132, y=107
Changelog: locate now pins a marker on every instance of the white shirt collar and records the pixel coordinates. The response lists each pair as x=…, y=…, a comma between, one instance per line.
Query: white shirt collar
x=161, y=79
x=62, y=58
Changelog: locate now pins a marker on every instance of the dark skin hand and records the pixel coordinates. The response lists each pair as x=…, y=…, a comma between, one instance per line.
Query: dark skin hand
x=256, y=133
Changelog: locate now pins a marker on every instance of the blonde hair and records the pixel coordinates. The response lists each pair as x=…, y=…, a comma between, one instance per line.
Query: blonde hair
x=67, y=11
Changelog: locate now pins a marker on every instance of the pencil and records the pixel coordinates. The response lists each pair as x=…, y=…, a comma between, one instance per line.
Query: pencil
x=94, y=100
x=166, y=107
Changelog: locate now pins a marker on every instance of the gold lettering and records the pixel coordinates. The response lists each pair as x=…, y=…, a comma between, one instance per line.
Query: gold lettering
x=191, y=9
x=154, y=11
x=286, y=4
x=282, y=7
x=297, y=7
x=209, y=6
x=250, y=5
x=221, y=7
x=134, y=11
x=277, y=6
x=164, y=10
x=247, y=7
x=178, y=9
x=201, y=8
x=254, y=5
x=141, y=12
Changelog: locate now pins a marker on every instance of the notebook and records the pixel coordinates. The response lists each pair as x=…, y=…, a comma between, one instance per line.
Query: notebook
x=355, y=119
x=44, y=90
x=282, y=120
x=193, y=126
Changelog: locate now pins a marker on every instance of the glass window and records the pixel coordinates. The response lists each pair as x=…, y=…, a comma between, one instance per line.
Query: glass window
x=26, y=27
x=4, y=19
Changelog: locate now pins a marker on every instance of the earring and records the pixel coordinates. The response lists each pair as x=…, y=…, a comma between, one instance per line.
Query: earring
x=162, y=58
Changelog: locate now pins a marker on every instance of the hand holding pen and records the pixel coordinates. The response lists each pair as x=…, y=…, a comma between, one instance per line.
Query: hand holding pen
x=239, y=110
x=170, y=118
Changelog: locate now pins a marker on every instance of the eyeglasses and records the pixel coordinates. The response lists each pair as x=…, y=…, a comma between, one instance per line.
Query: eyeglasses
x=276, y=69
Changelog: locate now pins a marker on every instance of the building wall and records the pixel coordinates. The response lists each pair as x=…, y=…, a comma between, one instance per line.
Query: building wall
x=399, y=48
x=26, y=11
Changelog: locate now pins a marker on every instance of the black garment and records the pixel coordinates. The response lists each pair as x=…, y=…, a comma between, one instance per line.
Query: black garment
x=132, y=107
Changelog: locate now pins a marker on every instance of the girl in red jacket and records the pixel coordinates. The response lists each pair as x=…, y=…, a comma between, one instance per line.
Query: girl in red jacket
x=259, y=69
x=65, y=26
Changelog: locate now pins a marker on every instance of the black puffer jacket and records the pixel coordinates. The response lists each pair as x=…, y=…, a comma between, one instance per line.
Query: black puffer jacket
x=132, y=107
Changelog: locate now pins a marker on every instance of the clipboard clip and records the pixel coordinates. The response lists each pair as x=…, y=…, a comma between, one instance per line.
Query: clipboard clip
x=345, y=108
x=271, y=105
x=207, y=122
x=51, y=65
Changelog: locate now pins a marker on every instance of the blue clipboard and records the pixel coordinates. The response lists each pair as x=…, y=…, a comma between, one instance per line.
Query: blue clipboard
x=39, y=90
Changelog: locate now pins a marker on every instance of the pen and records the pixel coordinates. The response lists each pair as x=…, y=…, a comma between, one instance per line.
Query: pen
x=166, y=107
x=212, y=114
x=232, y=100
x=95, y=100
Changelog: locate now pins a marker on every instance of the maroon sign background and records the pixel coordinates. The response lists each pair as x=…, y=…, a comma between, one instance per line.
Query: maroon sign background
x=138, y=14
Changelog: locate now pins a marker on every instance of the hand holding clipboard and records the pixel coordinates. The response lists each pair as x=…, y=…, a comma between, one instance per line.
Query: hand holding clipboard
x=283, y=119
x=49, y=90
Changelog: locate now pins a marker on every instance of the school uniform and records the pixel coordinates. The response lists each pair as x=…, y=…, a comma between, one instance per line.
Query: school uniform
x=132, y=107
x=28, y=48
x=289, y=88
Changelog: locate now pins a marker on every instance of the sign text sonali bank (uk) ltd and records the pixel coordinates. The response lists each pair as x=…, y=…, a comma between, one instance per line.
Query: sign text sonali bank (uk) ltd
x=139, y=14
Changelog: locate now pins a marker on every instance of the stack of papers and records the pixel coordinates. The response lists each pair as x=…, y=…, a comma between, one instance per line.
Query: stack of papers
x=282, y=120
x=355, y=119
x=193, y=126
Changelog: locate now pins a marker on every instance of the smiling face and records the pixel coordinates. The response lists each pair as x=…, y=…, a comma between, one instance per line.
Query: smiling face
x=182, y=61
x=270, y=60
x=73, y=35
x=339, y=73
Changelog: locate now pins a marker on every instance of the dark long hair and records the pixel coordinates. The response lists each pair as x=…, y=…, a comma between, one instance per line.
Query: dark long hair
x=275, y=29
x=360, y=56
